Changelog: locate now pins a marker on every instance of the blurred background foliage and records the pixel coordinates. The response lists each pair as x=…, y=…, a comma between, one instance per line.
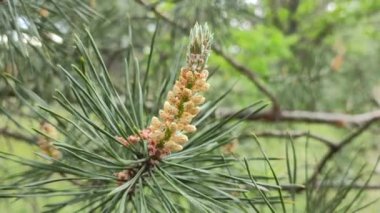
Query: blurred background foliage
x=311, y=55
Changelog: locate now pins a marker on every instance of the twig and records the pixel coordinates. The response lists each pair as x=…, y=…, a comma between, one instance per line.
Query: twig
x=18, y=136
x=336, y=119
x=333, y=151
x=296, y=134
x=250, y=74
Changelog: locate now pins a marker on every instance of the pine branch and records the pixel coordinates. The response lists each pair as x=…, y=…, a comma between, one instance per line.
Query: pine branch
x=294, y=134
x=335, y=119
x=112, y=146
x=333, y=151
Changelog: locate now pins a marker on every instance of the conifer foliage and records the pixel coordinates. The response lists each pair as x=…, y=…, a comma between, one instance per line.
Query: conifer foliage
x=115, y=153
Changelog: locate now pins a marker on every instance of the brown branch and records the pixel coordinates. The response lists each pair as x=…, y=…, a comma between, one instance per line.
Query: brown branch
x=292, y=20
x=337, y=119
x=18, y=136
x=333, y=151
x=249, y=73
x=296, y=134
x=334, y=148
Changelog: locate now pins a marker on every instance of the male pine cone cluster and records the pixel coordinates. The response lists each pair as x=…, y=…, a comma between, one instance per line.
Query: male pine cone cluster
x=167, y=132
x=46, y=142
x=181, y=106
